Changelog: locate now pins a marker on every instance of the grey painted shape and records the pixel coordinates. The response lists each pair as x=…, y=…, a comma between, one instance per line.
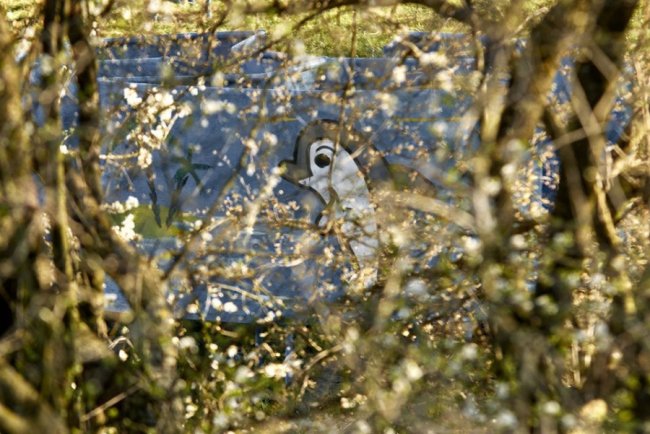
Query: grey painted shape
x=182, y=45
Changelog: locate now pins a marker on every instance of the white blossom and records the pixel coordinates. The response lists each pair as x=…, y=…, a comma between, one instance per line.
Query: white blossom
x=131, y=203
x=132, y=97
x=399, y=74
x=230, y=307
x=127, y=229
x=433, y=59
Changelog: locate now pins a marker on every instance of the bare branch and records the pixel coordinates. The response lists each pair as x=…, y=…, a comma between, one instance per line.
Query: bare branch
x=463, y=13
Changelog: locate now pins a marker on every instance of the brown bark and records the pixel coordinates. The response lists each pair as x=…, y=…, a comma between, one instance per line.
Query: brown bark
x=580, y=206
x=18, y=228
x=531, y=345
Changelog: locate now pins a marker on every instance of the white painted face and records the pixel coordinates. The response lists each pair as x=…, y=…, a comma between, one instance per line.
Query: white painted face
x=321, y=158
x=339, y=172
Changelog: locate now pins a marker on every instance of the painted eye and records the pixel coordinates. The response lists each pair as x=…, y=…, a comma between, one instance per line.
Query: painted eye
x=322, y=160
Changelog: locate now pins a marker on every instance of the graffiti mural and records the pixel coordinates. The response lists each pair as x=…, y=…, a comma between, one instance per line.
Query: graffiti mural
x=283, y=183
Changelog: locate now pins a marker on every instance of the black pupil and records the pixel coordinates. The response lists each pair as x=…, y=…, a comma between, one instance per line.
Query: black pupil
x=322, y=160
